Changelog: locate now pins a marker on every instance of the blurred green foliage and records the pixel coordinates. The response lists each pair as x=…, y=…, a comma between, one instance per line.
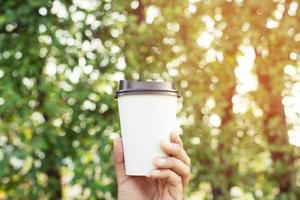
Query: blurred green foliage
x=59, y=66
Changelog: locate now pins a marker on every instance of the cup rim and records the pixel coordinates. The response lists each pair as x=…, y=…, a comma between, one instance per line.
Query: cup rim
x=127, y=87
x=147, y=92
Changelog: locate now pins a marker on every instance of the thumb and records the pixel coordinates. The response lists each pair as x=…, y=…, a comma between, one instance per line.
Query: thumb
x=118, y=158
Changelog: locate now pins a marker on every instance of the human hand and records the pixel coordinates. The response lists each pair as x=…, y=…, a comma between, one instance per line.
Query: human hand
x=167, y=182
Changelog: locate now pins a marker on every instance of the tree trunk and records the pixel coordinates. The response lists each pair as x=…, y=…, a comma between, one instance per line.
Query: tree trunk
x=55, y=182
x=271, y=83
x=218, y=193
x=276, y=135
x=52, y=171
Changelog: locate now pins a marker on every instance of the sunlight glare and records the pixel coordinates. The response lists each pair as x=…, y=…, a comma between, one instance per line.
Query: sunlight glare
x=294, y=136
x=246, y=80
x=151, y=14
x=293, y=8
x=86, y=4
x=215, y=120
x=205, y=39
x=59, y=9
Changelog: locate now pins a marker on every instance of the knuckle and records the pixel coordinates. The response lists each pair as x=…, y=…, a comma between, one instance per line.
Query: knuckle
x=174, y=176
x=173, y=162
x=170, y=161
x=177, y=148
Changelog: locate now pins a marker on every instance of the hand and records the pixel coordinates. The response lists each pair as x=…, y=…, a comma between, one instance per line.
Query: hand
x=167, y=182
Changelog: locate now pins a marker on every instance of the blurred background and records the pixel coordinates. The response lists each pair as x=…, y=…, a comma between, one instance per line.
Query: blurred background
x=236, y=63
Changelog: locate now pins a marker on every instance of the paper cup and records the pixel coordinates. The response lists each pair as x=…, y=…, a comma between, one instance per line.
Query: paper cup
x=147, y=113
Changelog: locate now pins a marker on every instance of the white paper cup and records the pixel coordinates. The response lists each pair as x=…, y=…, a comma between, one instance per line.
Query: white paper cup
x=147, y=113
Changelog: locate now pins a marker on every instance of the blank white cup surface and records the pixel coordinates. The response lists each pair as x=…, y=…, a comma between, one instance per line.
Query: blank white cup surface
x=146, y=120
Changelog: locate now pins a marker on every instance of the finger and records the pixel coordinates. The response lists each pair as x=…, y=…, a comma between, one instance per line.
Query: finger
x=118, y=158
x=171, y=177
x=175, y=165
x=172, y=163
x=176, y=139
x=176, y=151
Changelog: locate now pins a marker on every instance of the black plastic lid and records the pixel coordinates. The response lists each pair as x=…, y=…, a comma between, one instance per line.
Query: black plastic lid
x=148, y=87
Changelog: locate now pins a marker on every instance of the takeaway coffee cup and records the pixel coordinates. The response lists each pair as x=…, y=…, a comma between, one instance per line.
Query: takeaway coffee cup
x=147, y=113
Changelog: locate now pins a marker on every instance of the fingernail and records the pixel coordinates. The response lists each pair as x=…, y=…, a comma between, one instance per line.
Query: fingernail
x=154, y=172
x=161, y=161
